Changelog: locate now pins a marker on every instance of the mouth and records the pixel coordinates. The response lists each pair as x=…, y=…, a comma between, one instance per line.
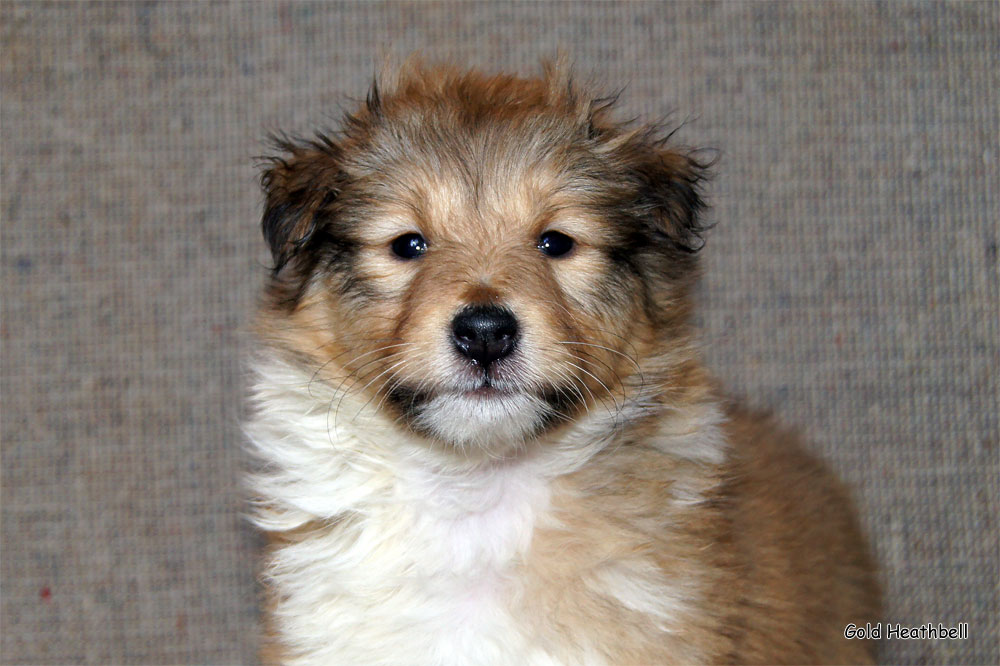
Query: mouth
x=486, y=411
x=410, y=399
x=486, y=390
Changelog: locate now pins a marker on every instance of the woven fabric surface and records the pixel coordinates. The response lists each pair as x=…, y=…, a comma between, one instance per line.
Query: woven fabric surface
x=851, y=281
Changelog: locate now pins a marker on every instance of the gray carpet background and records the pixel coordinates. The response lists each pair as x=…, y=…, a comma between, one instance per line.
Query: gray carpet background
x=851, y=282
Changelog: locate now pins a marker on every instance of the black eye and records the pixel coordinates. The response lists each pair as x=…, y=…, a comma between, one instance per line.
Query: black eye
x=555, y=244
x=409, y=246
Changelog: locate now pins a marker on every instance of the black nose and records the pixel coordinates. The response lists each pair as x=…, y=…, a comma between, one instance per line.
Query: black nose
x=484, y=333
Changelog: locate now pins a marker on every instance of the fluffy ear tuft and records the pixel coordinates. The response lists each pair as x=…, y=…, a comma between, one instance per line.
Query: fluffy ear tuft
x=670, y=191
x=300, y=184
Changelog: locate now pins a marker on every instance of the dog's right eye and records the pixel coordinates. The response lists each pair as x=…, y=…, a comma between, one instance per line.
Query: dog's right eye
x=409, y=246
x=555, y=244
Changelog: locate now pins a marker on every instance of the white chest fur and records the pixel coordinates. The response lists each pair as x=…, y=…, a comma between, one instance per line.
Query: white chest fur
x=421, y=578
x=407, y=559
x=410, y=562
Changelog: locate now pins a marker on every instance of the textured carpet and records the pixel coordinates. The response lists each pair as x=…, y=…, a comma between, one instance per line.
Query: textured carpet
x=851, y=281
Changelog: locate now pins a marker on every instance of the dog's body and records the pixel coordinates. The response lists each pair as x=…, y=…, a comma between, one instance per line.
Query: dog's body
x=484, y=436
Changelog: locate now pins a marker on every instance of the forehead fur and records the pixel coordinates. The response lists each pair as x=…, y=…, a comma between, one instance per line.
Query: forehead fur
x=441, y=132
x=434, y=141
x=442, y=103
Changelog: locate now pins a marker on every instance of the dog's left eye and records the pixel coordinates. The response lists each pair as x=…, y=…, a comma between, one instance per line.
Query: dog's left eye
x=555, y=244
x=409, y=246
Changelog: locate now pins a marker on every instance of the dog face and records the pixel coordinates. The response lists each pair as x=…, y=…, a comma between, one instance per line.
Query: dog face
x=484, y=258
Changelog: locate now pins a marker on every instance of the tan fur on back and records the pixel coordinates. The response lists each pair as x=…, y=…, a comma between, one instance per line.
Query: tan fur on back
x=577, y=493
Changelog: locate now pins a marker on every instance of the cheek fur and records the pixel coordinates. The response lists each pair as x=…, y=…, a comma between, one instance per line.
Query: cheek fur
x=380, y=326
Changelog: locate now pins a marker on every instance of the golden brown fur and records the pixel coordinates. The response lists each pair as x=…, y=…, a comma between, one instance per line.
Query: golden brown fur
x=747, y=544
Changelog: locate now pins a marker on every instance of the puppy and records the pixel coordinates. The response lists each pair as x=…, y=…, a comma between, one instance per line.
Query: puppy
x=482, y=432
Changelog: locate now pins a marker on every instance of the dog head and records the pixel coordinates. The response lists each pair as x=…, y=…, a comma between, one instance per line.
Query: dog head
x=484, y=257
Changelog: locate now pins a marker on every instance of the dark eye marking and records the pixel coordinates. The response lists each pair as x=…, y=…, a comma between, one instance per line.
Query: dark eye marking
x=555, y=244
x=409, y=246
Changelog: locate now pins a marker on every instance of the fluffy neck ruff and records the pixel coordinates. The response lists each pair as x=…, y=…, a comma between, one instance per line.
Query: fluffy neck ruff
x=322, y=455
x=383, y=539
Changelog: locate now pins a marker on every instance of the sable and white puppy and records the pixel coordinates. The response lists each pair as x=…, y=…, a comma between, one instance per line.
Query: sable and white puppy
x=482, y=432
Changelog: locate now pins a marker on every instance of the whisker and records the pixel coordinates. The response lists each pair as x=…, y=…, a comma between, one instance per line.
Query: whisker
x=389, y=369
x=618, y=408
x=613, y=351
x=584, y=384
x=610, y=369
x=399, y=380
x=356, y=372
x=346, y=391
x=353, y=360
x=570, y=314
x=572, y=381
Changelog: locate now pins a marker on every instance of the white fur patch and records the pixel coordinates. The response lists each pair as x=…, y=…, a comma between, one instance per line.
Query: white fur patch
x=467, y=421
x=414, y=564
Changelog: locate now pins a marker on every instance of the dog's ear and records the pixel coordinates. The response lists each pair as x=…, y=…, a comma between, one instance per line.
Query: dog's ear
x=666, y=181
x=301, y=184
x=670, y=184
